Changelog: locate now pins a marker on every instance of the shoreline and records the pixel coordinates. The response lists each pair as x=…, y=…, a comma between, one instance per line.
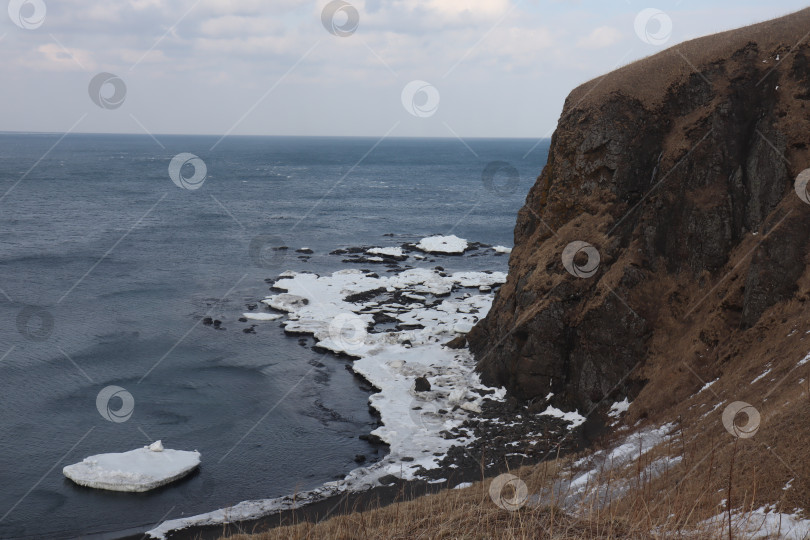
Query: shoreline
x=397, y=329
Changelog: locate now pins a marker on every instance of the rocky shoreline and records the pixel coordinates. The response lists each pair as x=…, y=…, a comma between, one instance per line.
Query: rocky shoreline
x=439, y=427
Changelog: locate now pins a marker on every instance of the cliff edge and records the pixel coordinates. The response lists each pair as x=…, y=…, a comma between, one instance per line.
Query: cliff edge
x=664, y=237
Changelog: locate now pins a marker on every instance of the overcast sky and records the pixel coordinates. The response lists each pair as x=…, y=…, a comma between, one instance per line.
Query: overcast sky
x=490, y=68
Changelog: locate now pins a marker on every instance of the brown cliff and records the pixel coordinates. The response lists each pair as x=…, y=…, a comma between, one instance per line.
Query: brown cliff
x=679, y=170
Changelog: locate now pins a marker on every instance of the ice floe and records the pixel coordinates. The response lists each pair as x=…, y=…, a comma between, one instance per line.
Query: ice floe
x=443, y=244
x=390, y=251
x=502, y=249
x=262, y=316
x=136, y=470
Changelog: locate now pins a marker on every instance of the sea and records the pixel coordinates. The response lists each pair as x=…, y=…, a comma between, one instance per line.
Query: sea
x=114, y=249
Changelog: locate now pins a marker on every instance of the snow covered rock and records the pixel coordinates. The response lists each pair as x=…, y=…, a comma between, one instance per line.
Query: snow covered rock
x=443, y=244
x=137, y=470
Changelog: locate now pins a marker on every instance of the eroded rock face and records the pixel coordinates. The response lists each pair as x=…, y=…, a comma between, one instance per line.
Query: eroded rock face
x=674, y=185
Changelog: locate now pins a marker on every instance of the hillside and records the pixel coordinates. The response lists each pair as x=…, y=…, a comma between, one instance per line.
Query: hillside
x=678, y=171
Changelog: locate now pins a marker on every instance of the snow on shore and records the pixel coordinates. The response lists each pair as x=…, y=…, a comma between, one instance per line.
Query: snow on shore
x=763, y=523
x=435, y=308
x=134, y=471
x=262, y=316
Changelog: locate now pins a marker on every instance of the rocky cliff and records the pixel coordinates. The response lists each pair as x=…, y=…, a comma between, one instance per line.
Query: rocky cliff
x=664, y=234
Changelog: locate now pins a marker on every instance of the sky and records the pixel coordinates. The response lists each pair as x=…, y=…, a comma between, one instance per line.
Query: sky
x=433, y=68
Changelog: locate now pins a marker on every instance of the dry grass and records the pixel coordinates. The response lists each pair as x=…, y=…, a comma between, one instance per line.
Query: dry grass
x=646, y=511
x=649, y=79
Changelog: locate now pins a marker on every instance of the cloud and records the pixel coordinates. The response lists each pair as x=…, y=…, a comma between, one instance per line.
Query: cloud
x=600, y=38
x=53, y=57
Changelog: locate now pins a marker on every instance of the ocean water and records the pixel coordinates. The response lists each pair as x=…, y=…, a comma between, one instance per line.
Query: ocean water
x=107, y=269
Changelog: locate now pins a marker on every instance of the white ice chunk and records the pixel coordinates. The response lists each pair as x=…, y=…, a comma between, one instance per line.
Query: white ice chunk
x=137, y=470
x=390, y=251
x=156, y=446
x=262, y=316
x=443, y=244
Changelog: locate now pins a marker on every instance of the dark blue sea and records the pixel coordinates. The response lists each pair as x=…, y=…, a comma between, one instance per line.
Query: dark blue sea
x=107, y=269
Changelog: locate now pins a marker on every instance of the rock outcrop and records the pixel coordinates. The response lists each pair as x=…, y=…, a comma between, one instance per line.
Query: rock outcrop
x=665, y=224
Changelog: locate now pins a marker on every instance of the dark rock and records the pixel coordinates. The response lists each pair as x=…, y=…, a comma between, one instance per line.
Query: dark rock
x=243, y=319
x=305, y=250
x=208, y=321
x=359, y=458
x=421, y=384
x=373, y=439
x=458, y=342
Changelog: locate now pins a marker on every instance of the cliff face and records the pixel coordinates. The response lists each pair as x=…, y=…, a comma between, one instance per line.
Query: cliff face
x=679, y=171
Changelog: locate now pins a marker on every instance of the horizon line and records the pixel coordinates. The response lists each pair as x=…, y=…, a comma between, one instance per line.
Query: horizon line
x=450, y=138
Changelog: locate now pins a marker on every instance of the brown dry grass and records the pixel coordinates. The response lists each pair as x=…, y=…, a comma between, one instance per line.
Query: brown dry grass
x=649, y=78
x=658, y=507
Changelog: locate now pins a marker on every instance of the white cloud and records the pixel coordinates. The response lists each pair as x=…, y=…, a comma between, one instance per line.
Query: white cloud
x=601, y=37
x=53, y=57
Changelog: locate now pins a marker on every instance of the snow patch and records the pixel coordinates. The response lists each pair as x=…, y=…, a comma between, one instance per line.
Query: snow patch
x=573, y=417
x=761, y=375
x=764, y=523
x=618, y=408
x=708, y=385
